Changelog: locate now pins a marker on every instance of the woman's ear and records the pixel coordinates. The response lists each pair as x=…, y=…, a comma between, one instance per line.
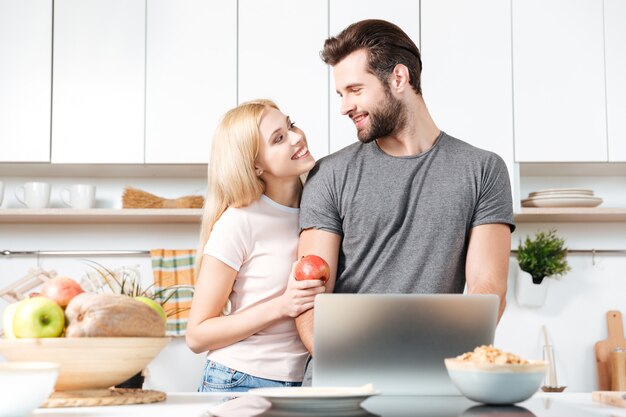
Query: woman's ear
x=258, y=170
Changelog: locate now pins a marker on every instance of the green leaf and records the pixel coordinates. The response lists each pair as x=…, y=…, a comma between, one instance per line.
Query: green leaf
x=544, y=256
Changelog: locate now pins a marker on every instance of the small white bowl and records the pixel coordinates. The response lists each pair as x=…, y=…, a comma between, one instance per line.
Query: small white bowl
x=25, y=386
x=496, y=384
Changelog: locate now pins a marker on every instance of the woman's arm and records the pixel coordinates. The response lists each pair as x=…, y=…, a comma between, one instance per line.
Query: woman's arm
x=207, y=330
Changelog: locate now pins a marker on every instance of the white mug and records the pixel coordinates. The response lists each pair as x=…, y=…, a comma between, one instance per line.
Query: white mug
x=1, y=192
x=79, y=196
x=34, y=195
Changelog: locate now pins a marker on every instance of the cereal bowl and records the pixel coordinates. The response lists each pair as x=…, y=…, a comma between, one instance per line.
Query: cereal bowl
x=25, y=385
x=493, y=383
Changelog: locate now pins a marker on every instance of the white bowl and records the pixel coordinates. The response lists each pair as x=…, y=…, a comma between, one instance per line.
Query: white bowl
x=496, y=384
x=25, y=385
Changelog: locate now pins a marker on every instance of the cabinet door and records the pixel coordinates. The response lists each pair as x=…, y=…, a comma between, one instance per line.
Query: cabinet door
x=558, y=88
x=342, y=13
x=191, y=76
x=98, y=81
x=466, y=81
x=615, y=50
x=279, y=44
x=25, y=80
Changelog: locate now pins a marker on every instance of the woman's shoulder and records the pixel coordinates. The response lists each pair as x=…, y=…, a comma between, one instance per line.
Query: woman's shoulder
x=235, y=217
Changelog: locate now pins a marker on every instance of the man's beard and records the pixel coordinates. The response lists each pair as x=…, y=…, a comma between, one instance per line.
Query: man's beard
x=388, y=118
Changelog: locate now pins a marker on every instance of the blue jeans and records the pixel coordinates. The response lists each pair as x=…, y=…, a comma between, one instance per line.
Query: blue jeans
x=220, y=378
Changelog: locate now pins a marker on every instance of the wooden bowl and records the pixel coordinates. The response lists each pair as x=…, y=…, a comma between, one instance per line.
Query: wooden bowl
x=87, y=362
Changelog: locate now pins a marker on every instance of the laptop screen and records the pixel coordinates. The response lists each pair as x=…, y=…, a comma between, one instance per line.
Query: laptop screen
x=398, y=342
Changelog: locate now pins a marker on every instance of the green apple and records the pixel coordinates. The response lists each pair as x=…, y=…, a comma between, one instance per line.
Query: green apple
x=7, y=320
x=154, y=305
x=38, y=317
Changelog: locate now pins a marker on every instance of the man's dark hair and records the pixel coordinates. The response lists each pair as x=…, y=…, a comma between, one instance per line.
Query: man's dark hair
x=386, y=45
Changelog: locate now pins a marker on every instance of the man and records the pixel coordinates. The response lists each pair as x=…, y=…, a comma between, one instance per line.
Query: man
x=408, y=208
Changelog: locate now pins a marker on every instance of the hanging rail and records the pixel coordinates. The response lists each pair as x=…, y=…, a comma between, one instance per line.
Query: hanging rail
x=75, y=252
x=591, y=251
x=147, y=252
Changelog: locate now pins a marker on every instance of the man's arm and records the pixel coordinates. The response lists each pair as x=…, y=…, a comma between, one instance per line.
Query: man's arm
x=487, y=265
x=326, y=245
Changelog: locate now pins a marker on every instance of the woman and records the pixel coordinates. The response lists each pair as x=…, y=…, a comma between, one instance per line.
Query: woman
x=246, y=296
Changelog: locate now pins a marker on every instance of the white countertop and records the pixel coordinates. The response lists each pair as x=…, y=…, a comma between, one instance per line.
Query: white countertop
x=180, y=404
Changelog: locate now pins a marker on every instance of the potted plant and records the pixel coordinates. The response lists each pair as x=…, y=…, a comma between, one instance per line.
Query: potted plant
x=543, y=256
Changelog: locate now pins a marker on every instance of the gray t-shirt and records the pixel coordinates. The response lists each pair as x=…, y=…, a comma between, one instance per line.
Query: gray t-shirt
x=405, y=221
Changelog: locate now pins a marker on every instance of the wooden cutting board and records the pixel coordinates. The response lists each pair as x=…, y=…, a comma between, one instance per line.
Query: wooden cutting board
x=616, y=398
x=102, y=397
x=614, y=340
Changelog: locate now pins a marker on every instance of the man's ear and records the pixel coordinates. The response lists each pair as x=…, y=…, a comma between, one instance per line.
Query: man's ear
x=400, y=78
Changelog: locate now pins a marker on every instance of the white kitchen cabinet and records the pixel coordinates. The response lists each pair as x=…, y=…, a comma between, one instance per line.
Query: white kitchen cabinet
x=25, y=80
x=191, y=76
x=559, y=83
x=342, y=13
x=98, y=81
x=615, y=50
x=466, y=81
x=279, y=44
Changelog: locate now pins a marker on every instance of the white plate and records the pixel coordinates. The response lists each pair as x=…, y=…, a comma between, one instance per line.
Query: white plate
x=555, y=196
x=561, y=194
x=318, y=399
x=585, y=191
x=562, y=202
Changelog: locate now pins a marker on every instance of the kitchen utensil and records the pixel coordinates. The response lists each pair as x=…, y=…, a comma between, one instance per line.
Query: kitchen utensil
x=604, y=348
x=25, y=385
x=493, y=383
x=98, y=398
x=616, y=398
x=617, y=360
x=585, y=191
x=35, y=195
x=79, y=196
x=549, y=201
x=548, y=355
x=87, y=362
x=135, y=198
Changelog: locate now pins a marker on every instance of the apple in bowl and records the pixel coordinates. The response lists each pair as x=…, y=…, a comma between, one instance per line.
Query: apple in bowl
x=61, y=290
x=34, y=317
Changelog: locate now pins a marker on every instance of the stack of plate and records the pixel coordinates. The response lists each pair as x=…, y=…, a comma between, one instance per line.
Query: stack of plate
x=562, y=197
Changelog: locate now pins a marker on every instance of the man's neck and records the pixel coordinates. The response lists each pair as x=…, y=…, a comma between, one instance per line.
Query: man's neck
x=419, y=133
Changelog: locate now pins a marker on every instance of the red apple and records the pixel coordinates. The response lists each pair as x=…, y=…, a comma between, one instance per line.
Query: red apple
x=312, y=267
x=61, y=290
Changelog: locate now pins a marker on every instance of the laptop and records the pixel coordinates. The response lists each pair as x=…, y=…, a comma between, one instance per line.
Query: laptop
x=397, y=342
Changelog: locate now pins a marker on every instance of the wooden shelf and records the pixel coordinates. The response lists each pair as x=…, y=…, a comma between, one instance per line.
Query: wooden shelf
x=62, y=215
x=570, y=214
x=112, y=216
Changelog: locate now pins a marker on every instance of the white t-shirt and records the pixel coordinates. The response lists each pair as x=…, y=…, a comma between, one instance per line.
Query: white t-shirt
x=260, y=242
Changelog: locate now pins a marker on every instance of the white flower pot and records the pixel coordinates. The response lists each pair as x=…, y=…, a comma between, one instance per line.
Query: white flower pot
x=529, y=294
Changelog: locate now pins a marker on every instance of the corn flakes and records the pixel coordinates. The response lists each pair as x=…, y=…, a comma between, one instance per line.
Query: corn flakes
x=491, y=355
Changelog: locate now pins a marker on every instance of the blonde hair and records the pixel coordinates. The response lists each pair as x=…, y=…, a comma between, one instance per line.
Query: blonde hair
x=232, y=180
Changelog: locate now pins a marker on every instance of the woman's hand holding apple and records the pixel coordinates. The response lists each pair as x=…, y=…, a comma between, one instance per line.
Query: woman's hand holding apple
x=300, y=294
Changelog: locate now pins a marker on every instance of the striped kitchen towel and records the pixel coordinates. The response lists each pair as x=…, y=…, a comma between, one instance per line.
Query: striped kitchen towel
x=174, y=279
